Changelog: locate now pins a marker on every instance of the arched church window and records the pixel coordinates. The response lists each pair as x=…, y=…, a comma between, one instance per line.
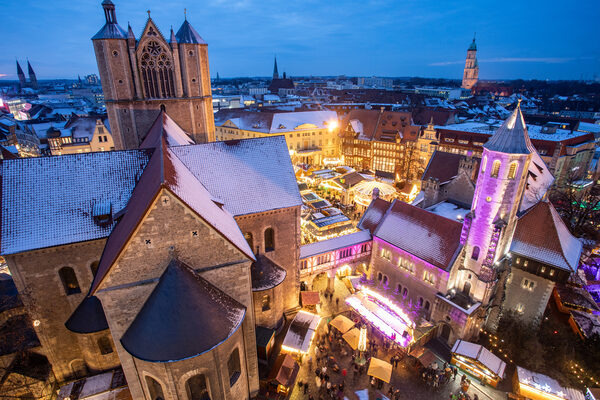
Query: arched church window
x=269, y=239
x=157, y=71
x=475, y=254
x=249, y=239
x=233, y=366
x=495, y=169
x=512, y=170
x=155, y=389
x=197, y=388
x=69, y=280
x=483, y=163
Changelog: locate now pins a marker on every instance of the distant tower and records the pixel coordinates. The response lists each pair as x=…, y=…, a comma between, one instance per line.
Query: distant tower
x=142, y=76
x=489, y=227
x=275, y=72
x=471, y=74
x=32, y=78
x=21, y=76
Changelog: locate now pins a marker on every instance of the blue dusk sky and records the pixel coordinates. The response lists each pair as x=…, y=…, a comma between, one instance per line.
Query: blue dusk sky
x=527, y=39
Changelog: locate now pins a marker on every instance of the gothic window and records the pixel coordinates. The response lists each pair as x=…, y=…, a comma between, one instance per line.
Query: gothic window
x=269, y=239
x=69, y=280
x=385, y=279
x=379, y=276
x=157, y=71
x=483, y=164
x=427, y=305
x=233, y=366
x=495, y=169
x=104, y=345
x=155, y=389
x=512, y=170
x=475, y=254
x=196, y=388
x=405, y=292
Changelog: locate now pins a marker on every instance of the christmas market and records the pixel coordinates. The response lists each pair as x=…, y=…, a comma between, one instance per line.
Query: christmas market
x=478, y=361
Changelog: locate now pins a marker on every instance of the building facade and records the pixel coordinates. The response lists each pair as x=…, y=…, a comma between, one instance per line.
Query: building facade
x=80, y=135
x=142, y=76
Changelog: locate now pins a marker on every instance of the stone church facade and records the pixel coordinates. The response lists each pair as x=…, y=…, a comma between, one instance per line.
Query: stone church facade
x=141, y=76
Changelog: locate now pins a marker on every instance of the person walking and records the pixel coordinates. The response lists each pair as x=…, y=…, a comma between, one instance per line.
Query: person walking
x=454, y=373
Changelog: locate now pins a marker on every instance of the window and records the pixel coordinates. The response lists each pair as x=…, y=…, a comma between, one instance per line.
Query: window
x=427, y=305
x=233, y=366
x=495, y=169
x=551, y=272
x=420, y=302
x=385, y=253
x=483, y=164
x=69, y=280
x=249, y=239
x=269, y=239
x=428, y=277
x=528, y=284
x=104, y=345
x=525, y=263
x=520, y=308
x=266, y=302
x=405, y=292
x=157, y=71
x=385, y=279
x=155, y=389
x=512, y=170
x=196, y=388
x=379, y=276
x=399, y=289
x=475, y=254
x=94, y=267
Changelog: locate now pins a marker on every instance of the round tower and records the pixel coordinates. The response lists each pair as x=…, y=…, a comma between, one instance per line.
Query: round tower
x=500, y=186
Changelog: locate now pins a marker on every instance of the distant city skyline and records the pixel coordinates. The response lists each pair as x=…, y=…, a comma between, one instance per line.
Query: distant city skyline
x=538, y=40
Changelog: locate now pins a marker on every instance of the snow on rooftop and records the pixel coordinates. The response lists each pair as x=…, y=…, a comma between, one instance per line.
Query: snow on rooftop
x=250, y=176
x=340, y=242
x=47, y=201
x=449, y=210
x=535, y=131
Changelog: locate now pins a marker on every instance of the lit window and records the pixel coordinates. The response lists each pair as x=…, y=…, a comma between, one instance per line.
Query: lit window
x=266, y=302
x=69, y=280
x=495, y=169
x=483, y=164
x=520, y=308
x=512, y=170
x=475, y=254
x=525, y=263
x=428, y=277
x=551, y=272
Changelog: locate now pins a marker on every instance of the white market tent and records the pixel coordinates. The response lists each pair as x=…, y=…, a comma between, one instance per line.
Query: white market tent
x=363, y=191
x=479, y=353
x=300, y=333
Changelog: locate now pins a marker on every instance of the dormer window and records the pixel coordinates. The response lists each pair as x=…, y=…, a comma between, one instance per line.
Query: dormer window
x=102, y=213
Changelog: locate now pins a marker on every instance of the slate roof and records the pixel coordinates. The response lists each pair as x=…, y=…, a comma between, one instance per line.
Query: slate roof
x=59, y=194
x=373, y=215
x=428, y=236
x=184, y=316
x=380, y=125
x=187, y=34
x=542, y=235
x=250, y=176
x=165, y=170
x=443, y=166
x=266, y=274
x=110, y=31
x=511, y=137
x=165, y=128
x=88, y=317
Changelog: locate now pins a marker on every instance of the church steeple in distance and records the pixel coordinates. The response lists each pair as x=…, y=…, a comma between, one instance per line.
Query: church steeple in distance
x=21, y=75
x=275, y=71
x=471, y=72
x=32, y=77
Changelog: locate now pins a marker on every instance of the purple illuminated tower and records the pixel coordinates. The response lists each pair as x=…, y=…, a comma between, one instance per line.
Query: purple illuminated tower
x=489, y=227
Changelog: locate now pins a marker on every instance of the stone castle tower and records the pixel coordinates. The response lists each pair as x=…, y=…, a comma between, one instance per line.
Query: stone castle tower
x=471, y=73
x=489, y=227
x=141, y=76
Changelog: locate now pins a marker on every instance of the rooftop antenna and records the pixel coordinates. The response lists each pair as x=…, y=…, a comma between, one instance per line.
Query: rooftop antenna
x=148, y=13
x=185, y=14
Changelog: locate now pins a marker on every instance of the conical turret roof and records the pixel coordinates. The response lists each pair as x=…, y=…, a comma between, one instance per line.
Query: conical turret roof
x=187, y=34
x=512, y=136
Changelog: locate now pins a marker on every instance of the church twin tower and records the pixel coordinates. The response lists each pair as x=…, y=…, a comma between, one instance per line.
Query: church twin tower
x=141, y=76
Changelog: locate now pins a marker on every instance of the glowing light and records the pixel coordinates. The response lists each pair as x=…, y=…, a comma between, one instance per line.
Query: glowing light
x=362, y=339
x=36, y=322
x=332, y=125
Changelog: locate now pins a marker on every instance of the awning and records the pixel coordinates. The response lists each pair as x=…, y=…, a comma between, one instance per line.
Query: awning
x=479, y=353
x=351, y=337
x=425, y=356
x=342, y=323
x=310, y=298
x=380, y=369
x=300, y=333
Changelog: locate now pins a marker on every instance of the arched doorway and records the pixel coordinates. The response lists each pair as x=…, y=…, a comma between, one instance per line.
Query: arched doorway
x=320, y=281
x=445, y=331
x=467, y=288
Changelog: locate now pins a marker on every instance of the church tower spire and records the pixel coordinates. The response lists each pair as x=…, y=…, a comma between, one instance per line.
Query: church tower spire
x=32, y=77
x=21, y=75
x=471, y=72
x=489, y=227
x=275, y=71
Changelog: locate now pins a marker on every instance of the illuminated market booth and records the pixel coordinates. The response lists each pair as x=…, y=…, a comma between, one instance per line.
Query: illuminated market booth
x=478, y=361
x=592, y=394
x=384, y=315
x=283, y=375
x=363, y=192
x=535, y=386
x=300, y=333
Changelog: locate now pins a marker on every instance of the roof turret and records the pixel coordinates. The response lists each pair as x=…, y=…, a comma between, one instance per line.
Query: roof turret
x=473, y=46
x=512, y=136
x=110, y=30
x=187, y=34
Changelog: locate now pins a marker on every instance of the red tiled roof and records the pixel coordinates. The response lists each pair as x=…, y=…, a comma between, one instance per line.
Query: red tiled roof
x=426, y=235
x=373, y=215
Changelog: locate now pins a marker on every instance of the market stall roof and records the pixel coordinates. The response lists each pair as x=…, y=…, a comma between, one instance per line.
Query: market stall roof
x=481, y=354
x=542, y=383
x=351, y=337
x=380, y=369
x=365, y=188
x=424, y=355
x=342, y=323
x=284, y=371
x=301, y=332
x=310, y=298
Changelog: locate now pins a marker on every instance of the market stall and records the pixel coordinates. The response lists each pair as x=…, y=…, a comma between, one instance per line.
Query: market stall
x=342, y=323
x=478, y=361
x=424, y=356
x=363, y=192
x=380, y=369
x=351, y=337
x=283, y=375
x=535, y=386
x=310, y=300
x=300, y=333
